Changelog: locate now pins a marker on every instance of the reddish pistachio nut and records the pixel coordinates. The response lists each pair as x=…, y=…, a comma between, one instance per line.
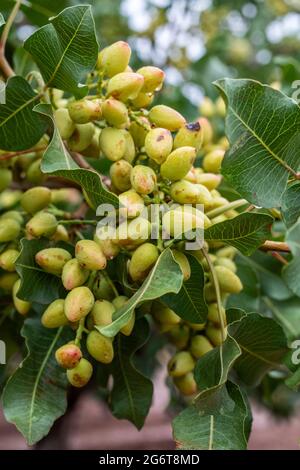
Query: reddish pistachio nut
x=207, y=107
x=132, y=234
x=228, y=280
x=164, y=116
x=181, y=364
x=143, y=100
x=22, y=306
x=73, y=274
x=8, y=259
x=143, y=179
x=164, y=314
x=139, y=132
x=118, y=303
x=215, y=334
x=178, y=163
x=15, y=215
x=52, y=260
x=112, y=143
x=209, y=180
x=81, y=374
x=133, y=203
x=54, y=315
x=90, y=255
x=214, y=314
x=213, y=160
x=9, y=230
x=81, y=137
x=120, y=175
x=125, y=86
x=7, y=281
x=102, y=312
x=200, y=345
x=34, y=173
x=142, y=261
x=35, y=199
x=78, y=303
x=115, y=112
x=63, y=198
x=183, y=262
x=158, y=144
x=114, y=59
x=153, y=78
x=42, y=224
x=64, y=123
x=104, y=238
x=130, y=152
x=9, y=198
x=100, y=347
x=68, y=356
x=189, y=135
x=179, y=335
x=186, y=384
x=5, y=178
x=184, y=192
x=207, y=130
x=84, y=111
x=60, y=234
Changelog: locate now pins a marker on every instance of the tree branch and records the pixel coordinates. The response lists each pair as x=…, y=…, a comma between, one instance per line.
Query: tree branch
x=270, y=245
x=5, y=66
x=9, y=155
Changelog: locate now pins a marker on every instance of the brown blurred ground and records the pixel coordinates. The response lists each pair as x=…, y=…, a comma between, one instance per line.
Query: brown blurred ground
x=91, y=426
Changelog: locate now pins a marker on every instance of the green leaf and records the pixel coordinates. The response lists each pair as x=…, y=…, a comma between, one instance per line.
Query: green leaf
x=56, y=157
x=18, y=113
x=246, y=231
x=286, y=313
x=23, y=63
x=165, y=277
x=215, y=427
x=263, y=344
x=66, y=49
x=291, y=272
x=35, y=396
x=39, y=11
x=36, y=284
x=2, y=22
x=131, y=395
x=189, y=303
x=293, y=381
x=269, y=273
x=248, y=298
x=290, y=207
x=57, y=161
x=212, y=369
x=263, y=127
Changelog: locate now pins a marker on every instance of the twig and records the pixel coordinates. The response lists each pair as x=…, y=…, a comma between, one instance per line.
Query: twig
x=79, y=332
x=232, y=205
x=81, y=161
x=218, y=293
x=9, y=155
x=270, y=245
x=279, y=257
x=77, y=222
x=5, y=66
x=110, y=282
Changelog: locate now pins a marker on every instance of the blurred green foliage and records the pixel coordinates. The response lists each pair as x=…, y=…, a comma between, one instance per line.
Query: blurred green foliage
x=196, y=41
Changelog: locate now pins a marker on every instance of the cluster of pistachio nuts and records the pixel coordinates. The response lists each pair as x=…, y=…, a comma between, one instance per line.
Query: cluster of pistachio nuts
x=153, y=160
x=193, y=340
